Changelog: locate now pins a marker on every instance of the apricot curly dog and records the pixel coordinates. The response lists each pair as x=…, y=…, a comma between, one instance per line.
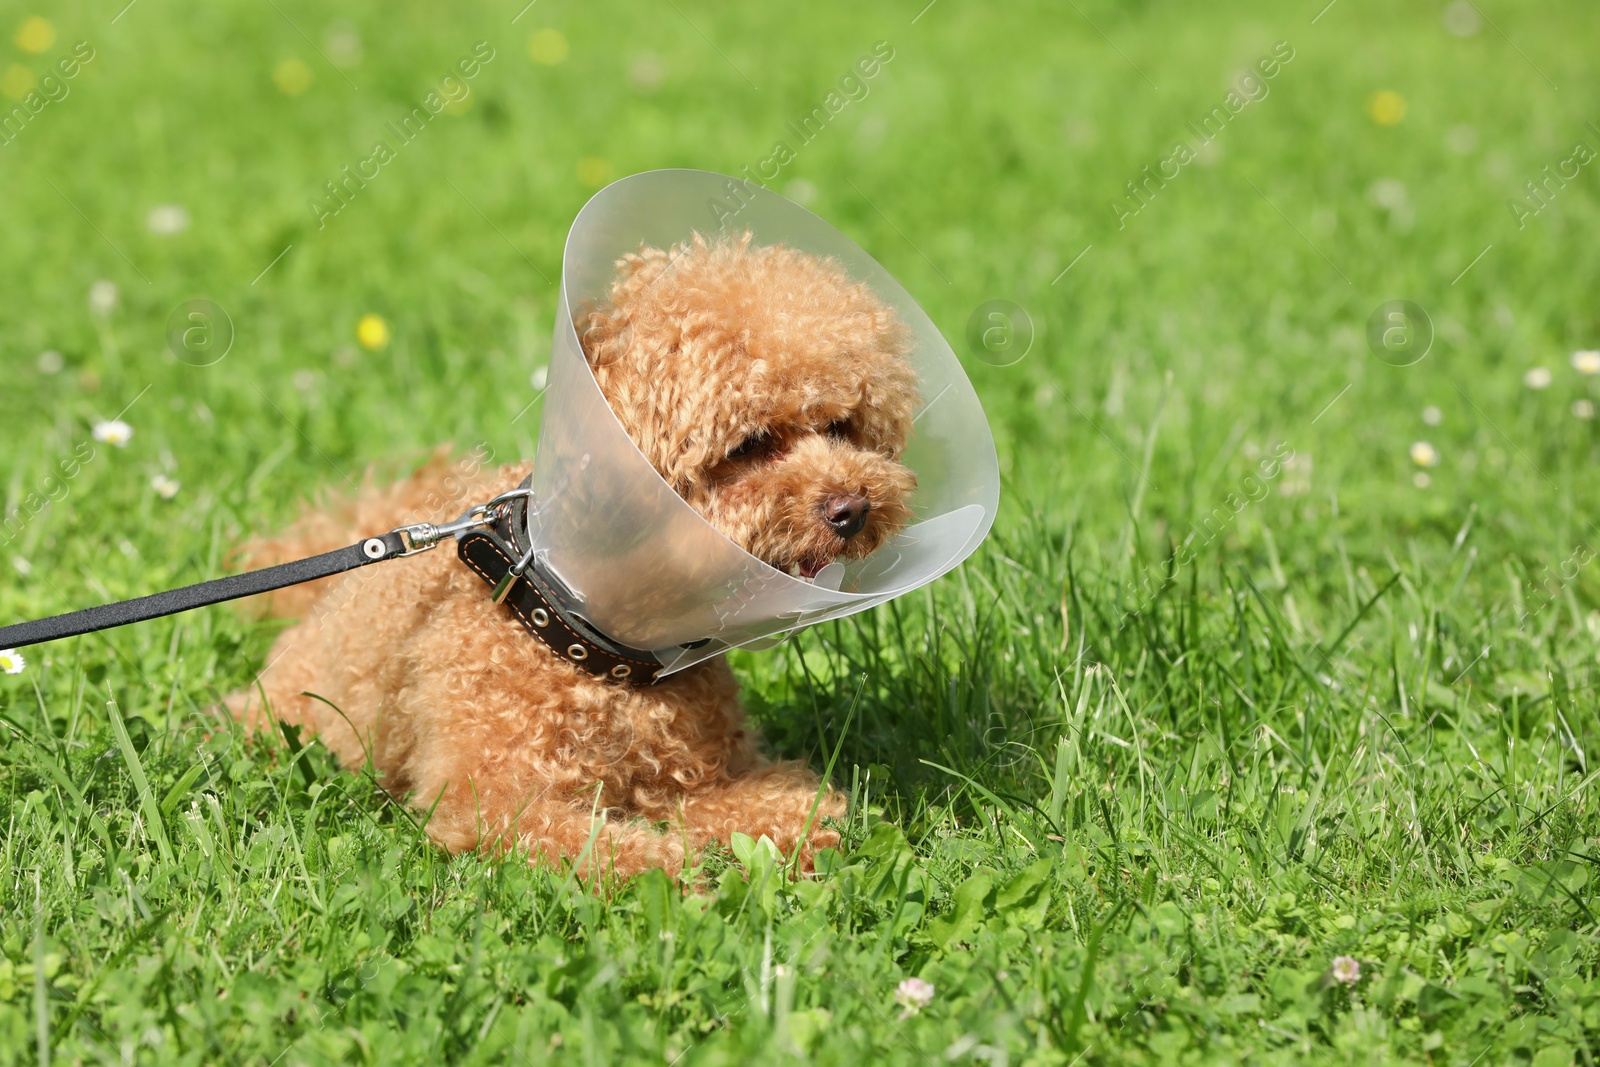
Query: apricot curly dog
x=773, y=393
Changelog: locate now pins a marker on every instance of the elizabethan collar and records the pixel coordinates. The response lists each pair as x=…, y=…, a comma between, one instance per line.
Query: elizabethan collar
x=642, y=565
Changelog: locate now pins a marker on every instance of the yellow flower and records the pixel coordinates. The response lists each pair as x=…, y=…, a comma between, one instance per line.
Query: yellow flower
x=35, y=34
x=292, y=77
x=372, y=332
x=1386, y=108
x=1424, y=455
x=548, y=47
x=594, y=171
x=17, y=82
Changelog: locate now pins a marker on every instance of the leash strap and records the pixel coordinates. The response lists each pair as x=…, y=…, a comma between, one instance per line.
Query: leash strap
x=106, y=616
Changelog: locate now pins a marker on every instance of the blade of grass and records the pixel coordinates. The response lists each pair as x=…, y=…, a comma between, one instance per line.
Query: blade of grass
x=147, y=799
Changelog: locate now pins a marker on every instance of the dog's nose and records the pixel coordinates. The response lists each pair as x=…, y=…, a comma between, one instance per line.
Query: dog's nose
x=846, y=513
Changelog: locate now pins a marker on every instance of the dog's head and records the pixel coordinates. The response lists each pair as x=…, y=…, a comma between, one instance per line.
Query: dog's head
x=768, y=388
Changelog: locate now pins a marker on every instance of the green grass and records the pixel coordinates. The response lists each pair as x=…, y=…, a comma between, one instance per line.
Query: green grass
x=1118, y=800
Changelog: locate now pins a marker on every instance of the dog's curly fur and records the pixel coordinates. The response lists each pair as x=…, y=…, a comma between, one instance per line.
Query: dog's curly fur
x=760, y=381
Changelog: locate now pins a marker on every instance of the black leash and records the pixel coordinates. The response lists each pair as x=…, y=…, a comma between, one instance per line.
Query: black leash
x=106, y=616
x=490, y=544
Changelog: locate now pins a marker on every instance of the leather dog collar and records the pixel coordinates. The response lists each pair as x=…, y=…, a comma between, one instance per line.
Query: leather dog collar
x=497, y=553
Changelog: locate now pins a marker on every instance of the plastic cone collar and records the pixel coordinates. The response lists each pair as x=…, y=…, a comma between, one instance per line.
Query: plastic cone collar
x=642, y=565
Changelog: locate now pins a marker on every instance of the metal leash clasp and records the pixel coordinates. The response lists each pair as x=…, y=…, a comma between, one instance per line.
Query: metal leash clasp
x=419, y=537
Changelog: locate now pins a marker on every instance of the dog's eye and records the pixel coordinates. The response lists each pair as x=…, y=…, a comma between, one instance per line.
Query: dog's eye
x=839, y=429
x=756, y=445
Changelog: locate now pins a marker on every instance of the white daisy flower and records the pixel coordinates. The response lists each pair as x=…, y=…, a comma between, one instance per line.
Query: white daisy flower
x=1421, y=480
x=11, y=661
x=539, y=377
x=113, y=432
x=1586, y=361
x=1432, y=415
x=24, y=568
x=1583, y=409
x=1537, y=378
x=103, y=297
x=1346, y=969
x=166, y=488
x=165, y=220
x=913, y=995
x=1424, y=455
x=50, y=362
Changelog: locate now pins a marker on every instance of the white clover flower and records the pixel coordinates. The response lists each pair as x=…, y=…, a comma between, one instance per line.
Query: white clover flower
x=165, y=220
x=1346, y=969
x=1389, y=193
x=1424, y=455
x=113, y=432
x=1432, y=415
x=1537, y=378
x=103, y=297
x=166, y=488
x=647, y=72
x=913, y=995
x=1586, y=361
x=343, y=46
x=1461, y=139
x=1462, y=19
x=11, y=661
x=1583, y=409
